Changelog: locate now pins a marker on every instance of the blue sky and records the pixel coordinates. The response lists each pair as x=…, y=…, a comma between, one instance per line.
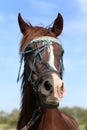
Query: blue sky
x=74, y=41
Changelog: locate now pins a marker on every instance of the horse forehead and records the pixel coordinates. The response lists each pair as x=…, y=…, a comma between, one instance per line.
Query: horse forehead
x=51, y=59
x=54, y=51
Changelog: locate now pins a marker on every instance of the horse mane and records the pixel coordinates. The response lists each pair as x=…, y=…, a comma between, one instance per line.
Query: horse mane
x=26, y=108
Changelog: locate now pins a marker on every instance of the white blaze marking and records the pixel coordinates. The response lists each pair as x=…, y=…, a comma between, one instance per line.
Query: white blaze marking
x=51, y=60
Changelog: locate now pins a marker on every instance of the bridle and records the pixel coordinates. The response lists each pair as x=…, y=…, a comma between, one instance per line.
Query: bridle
x=47, y=41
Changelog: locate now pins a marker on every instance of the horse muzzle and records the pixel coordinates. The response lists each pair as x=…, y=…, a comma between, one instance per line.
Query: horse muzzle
x=47, y=102
x=50, y=90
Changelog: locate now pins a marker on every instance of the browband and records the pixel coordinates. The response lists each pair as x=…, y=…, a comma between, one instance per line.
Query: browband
x=45, y=39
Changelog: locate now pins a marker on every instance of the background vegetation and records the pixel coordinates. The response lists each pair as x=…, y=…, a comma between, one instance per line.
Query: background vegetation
x=8, y=121
x=79, y=114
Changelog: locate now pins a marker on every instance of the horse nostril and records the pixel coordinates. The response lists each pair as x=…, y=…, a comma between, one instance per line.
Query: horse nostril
x=47, y=85
x=62, y=87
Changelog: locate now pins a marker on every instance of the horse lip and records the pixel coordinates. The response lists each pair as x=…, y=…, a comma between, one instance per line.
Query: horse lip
x=53, y=101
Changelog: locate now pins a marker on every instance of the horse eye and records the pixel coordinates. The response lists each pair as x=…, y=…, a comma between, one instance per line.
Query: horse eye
x=62, y=52
x=28, y=48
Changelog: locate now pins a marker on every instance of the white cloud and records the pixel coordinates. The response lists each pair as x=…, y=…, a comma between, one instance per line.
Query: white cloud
x=83, y=5
x=81, y=47
x=1, y=17
x=43, y=6
x=82, y=1
x=77, y=25
x=74, y=64
x=12, y=17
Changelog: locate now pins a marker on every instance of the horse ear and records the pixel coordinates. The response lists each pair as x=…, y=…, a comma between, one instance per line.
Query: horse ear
x=58, y=25
x=22, y=24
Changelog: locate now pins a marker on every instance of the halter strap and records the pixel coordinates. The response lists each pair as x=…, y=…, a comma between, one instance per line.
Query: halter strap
x=44, y=39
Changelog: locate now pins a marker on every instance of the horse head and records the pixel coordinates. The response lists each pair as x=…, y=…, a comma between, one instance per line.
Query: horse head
x=42, y=53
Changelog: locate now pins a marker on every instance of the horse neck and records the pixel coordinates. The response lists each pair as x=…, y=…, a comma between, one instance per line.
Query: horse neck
x=28, y=104
x=52, y=119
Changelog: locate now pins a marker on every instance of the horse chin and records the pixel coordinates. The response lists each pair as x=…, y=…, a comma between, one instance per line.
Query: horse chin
x=47, y=102
x=53, y=103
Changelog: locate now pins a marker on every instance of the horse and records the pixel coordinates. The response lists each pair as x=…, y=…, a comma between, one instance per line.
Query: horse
x=42, y=78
